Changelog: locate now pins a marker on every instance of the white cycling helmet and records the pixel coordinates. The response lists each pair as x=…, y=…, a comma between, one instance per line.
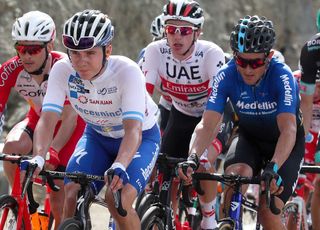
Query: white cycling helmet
x=156, y=28
x=184, y=10
x=34, y=26
x=87, y=29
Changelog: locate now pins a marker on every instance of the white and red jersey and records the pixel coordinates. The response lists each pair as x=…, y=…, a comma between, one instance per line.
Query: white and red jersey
x=187, y=82
x=117, y=94
x=13, y=75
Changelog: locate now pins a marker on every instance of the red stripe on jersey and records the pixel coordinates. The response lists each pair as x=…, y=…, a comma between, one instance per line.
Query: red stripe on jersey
x=150, y=88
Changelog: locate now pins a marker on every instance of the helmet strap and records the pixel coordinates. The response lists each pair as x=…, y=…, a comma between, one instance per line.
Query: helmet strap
x=104, y=62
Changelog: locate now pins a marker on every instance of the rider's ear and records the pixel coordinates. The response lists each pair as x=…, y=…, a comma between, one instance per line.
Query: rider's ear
x=108, y=51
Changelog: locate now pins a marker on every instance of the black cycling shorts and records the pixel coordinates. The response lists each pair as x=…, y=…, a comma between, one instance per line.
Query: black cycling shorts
x=256, y=153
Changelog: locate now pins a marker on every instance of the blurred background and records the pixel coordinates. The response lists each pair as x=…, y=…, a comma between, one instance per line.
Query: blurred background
x=294, y=22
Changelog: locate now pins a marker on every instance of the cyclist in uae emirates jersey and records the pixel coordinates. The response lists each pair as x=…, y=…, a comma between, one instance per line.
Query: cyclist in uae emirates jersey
x=183, y=67
x=108, y=92
x=27, y=73
x=265, y=97
x=310, y=69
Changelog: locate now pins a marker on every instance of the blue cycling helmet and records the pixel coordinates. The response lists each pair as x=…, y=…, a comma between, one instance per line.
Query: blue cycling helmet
x=252, y=34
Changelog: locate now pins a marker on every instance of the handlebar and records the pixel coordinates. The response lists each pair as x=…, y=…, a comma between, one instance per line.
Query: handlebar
x=116, y=195
x=236, y=180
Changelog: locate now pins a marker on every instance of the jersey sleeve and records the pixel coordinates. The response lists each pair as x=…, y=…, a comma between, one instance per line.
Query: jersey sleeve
x=133, y=96
x=287, y=92
x=309, y=68
x=214, y=61
x=150, y=67
x=219, y=94
x=56, y=92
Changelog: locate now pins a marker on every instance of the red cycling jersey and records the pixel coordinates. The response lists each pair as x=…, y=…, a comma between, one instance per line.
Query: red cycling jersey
x=13, y=75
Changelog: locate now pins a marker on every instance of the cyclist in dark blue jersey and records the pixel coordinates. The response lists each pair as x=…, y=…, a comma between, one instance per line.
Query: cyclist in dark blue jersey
x=265, y=97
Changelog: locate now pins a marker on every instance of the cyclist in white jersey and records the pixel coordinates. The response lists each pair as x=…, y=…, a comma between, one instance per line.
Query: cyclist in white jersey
x=108, y=92
x=185, y=67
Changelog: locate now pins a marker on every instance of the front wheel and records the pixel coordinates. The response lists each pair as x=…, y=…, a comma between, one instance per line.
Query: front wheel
x=145, y=204
x=225, y=224
x=71, y=224
x=153, y=219
x=9, y=212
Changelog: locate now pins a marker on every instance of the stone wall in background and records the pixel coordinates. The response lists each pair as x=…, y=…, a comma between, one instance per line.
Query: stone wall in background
x=294, y=21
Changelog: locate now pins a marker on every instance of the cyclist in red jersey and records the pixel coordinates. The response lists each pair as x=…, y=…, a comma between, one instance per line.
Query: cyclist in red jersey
x=27, y=73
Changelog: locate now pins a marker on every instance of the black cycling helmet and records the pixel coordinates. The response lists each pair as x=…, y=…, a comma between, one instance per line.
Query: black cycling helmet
x=252, y=34
x=184, y=10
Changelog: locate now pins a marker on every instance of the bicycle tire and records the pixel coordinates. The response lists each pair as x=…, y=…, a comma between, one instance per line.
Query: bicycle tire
x=290, y=214
x=71, y=224
x=154, y=217
x=139, y=198
x=225, y=225
x=8, y=202
x=145, y=204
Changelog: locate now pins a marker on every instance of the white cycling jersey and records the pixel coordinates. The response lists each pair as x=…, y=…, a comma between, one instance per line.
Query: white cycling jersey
x=188, y=82
x=117, y=94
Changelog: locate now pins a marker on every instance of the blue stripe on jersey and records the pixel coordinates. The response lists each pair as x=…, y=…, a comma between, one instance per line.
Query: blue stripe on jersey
x=132, y=115
x=52, y=108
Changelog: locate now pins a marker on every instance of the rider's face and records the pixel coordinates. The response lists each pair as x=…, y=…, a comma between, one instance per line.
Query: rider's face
x=180, y=35
x=87, y=63
x=251, y=66
x=32, y=54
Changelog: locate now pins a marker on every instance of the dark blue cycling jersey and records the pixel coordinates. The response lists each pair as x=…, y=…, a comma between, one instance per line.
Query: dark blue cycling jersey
x=257, y=105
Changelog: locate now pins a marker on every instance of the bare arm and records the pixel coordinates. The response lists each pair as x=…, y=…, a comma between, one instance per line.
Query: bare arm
x=130, y=142
x=68, y=124
x=43, y=133
x=288, y=130
x=306, y=108
x=205, y=132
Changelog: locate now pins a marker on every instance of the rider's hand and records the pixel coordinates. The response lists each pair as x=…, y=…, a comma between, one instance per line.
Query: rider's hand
x=186, y=168
x=271, y=172
x=52, y=159
x=120, y=176
x=37, y=160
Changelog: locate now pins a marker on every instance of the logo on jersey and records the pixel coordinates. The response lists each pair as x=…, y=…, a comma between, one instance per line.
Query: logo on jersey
x=257, y=108
x=165, y=50
x=37, y=93
x=288, y=90
x=105, y=91
x=8, y=69
x=177, y=72
x=76, y=86
x=105, y=114
x=84, y=100
x=215, y=85
x=26, y=76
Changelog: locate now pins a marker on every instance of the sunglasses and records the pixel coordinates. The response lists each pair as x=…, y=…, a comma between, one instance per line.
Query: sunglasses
x=30, y=49
x=183, y=30
x=84, y=43
x=253, y=63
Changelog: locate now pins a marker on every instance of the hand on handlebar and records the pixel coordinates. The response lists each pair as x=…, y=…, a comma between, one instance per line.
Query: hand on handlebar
x=36, y=161
x=120, y=176
x=270, y=173
x=186, y=168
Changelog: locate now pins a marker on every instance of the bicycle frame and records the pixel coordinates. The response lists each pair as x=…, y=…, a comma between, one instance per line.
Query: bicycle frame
x=22, y=199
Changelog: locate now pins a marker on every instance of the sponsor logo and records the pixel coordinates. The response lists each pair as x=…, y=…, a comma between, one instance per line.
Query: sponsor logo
x=288, y=90
x=37, y=93
x=165, y=50
x=84, y=100
x=234, y=205
x=255, y=105
x=146, y=172
x=105, y=91
x=199, y=54
x=190, y=73
x=215, y=85
x=8, y=69
x=116, y=113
